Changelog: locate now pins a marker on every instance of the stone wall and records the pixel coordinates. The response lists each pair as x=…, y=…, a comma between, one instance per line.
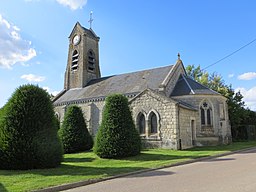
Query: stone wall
x=92, y=112
x=220, y=119
x=174, y=122
x=166, y=111
x=95, y=114
x=147, y=102
x=186, y=127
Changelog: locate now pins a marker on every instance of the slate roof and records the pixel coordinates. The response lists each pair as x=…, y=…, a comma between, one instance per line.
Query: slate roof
x=185, y=105
x=129, y=83
x=188, y=86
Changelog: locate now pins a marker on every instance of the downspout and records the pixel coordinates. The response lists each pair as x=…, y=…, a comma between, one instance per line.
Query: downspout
x=179, y=138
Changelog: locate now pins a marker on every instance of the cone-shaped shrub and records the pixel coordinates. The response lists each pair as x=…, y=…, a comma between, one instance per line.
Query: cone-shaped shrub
x=73, y=133
x=117, y=136
x=28, y=131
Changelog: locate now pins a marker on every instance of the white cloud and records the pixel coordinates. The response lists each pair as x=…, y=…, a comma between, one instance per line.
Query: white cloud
x=247, y=76
x=73, y=4
x=54, y=93
x=33, y=78
x=249, y=96
x=13, y=49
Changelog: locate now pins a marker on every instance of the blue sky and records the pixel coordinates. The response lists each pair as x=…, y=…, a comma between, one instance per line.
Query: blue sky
x=135, y=35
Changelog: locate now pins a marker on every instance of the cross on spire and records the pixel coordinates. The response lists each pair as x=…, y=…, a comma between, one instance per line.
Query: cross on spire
x=91, y=19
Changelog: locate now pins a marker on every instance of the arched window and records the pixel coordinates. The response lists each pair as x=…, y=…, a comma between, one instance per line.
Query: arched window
x=153, y=123
x=202, y=116
x=209, y=122
x=91, y=60
x=141, y=123
x=74, y=64
x=206, y=114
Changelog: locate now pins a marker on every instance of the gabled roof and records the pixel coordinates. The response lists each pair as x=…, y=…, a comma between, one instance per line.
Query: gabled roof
x=132, y=83
x=188, y=86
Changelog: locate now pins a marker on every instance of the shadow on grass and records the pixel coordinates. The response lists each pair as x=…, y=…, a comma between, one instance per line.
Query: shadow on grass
x=156, y=157
x=78, y=160
x=73, y=170
x=89, y=171
x=213, y=148
x=2, y=188
x=79, y=167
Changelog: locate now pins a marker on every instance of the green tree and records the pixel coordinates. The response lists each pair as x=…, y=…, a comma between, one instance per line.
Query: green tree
x=117, y=136
x=251, y=117
x=28, y=132
x=194, y=72
x=73, y=132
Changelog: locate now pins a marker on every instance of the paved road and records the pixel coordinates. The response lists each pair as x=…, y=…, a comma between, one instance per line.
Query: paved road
x=232, y=173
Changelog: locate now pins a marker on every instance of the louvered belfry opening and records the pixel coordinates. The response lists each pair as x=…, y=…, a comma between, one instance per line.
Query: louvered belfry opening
x=75, y=58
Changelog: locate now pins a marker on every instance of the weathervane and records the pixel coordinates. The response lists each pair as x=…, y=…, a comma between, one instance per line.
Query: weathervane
x=91, y=19
x=178, y=56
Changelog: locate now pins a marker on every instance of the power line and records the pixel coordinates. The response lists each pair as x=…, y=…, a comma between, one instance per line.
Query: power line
x=230, y=54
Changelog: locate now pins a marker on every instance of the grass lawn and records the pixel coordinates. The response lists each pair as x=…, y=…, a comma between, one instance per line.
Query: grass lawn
x=84, y=166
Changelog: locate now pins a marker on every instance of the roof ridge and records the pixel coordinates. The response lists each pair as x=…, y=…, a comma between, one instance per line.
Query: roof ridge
x=141, y=70
x=188, y=84
x=204, y=86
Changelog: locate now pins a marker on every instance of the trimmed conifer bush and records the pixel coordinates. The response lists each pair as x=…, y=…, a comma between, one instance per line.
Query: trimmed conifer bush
x=73, y=132
x=28, y=131
x=117, y=136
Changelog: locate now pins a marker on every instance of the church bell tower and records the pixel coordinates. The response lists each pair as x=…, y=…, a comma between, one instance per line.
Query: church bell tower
x=83, y=58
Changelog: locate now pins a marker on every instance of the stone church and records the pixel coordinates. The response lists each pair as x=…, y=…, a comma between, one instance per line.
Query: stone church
x=170, y=110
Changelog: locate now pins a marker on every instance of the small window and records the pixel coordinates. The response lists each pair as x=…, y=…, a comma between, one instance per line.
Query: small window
x=141, y=123
x=75, y=57
x=153, y=123
x=91, y=60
